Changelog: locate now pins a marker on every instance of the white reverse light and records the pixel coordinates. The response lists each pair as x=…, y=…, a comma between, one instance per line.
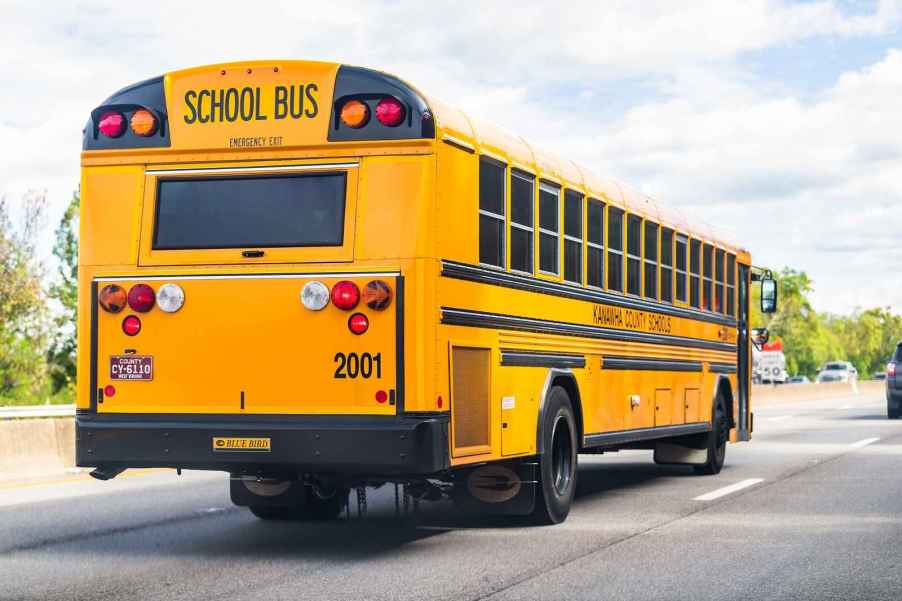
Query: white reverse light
x=315, y=295
x=170, y=298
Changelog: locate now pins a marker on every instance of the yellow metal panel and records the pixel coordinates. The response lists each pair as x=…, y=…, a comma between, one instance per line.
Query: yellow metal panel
x=692, y=402
x=664, y=407
x=250, y=338
x=110, y=205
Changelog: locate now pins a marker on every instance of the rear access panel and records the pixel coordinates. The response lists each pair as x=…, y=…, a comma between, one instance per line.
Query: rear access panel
x=245, y=344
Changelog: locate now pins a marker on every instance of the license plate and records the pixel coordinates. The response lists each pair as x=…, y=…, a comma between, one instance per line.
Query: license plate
x=224, y=443
x=131, y=367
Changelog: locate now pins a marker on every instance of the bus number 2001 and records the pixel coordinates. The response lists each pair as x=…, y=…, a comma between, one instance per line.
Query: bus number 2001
x=352, y=365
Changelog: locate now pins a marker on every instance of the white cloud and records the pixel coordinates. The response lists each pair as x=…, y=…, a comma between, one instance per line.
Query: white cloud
x=651, y=92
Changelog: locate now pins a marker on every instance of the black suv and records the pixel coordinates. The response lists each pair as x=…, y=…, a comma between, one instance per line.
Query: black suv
x=894, y=384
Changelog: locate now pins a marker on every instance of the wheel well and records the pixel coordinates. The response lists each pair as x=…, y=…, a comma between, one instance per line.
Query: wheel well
x=568, y=383
x=726, y=389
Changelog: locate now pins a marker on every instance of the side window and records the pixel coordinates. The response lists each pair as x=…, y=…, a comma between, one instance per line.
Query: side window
x=695, y=261
x=682, y=267
x=651, y=260
x=719, y=302
x=615, y=249
x=707, y=273
x=491, y=212
x=634, y=254
x=667, y=265
x=595, y=244
x=549, y=228
x=522, y=225
x=731, y=285
x=573, y=236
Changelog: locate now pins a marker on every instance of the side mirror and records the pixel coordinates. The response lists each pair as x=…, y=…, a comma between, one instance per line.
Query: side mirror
x=768, y=295
x=760, y=336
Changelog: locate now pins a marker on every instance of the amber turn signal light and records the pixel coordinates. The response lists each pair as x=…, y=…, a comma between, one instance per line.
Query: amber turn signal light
x=355, y=114
x=377, y=295
x=112, y=298
x=143, y=123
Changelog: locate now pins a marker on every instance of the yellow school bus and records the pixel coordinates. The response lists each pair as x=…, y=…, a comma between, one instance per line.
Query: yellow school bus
x=316, y=278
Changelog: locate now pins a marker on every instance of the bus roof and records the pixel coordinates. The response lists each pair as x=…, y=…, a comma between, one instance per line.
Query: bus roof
x=454, y=125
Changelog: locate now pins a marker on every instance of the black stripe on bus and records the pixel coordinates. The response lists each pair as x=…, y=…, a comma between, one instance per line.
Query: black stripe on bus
x=606, y=439
x=458, y=145
x=93, y=379
x=475, y=273
x=533, y=359
x=399, y=343
x=644, y=364
x=722, y=368
x=480, y=319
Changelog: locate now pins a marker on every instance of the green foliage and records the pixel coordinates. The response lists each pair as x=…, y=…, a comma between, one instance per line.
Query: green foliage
x=61, y=355
x=866, y=338
x=23, y=335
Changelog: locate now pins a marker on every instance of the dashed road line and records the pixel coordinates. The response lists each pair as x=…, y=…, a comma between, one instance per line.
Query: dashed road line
x=863, y=443
x=726, y=490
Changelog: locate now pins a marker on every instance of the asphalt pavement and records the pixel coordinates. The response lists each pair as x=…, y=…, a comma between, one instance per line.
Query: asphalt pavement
x=810, y=509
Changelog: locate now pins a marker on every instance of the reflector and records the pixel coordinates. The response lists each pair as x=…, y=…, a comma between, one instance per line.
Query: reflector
x=170, y=298
x=141, y=298
x=315, y=295
x=131, y=325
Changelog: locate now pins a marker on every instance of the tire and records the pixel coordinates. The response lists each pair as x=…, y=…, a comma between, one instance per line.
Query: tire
x=891, y=414
x=314, y=509
x=717, y=440
x=558, y=460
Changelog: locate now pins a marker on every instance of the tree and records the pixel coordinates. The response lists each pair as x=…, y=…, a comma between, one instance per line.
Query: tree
x=22, y=307
x=61, y=355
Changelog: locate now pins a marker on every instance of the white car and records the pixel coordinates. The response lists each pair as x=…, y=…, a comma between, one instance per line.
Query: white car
x=837, y=371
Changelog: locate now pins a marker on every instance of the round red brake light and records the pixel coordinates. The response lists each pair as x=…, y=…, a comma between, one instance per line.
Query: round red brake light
x=345, y=295
x=141, y=298
x=111, y=124
x=390, y=112
x=358, y=323
x=131, y=325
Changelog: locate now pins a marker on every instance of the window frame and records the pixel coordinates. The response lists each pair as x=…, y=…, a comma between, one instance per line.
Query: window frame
x=580, y=241
x=486, y=213
x=621, y=252
x=695, y=256
x=707, y=277
x=637, y=258
x=681, y=273
x=653, y=262
x=731, y=287
x=720, y=283
x=669, y=266
x=531, y=178
x=595, y=245
x=556, y=188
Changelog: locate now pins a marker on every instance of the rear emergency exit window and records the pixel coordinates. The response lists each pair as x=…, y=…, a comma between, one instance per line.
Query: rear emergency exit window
x=242, y=212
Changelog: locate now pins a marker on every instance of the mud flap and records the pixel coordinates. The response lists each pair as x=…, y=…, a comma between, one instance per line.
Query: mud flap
x=668, y=453
x=507, y=488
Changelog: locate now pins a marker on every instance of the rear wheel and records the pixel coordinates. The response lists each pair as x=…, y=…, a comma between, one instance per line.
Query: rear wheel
x=717, y=439
x=558, y=460
x=892, y=413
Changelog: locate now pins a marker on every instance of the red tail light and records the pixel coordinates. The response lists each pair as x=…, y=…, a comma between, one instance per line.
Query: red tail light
x=111, y=124
x=390, y=112
x=131, y=325
x=141, y=298
x=891, y=370
x=345, y=295
x=109, y=390
x=358, y=323
x=381, y=396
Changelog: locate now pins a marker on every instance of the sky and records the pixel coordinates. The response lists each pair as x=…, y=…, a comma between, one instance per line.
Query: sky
x=778, y=122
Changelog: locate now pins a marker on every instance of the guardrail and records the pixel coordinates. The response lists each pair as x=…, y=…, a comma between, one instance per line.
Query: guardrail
x=26, y=411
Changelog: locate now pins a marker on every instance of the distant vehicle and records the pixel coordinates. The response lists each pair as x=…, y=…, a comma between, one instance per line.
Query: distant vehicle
x=894, y=385
x=769, y=364
x=879, y=376
x=798, y=380
x=837, y=371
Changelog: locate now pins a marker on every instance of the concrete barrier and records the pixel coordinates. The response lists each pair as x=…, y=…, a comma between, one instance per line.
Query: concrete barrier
x=797, y=393
x=31, y=448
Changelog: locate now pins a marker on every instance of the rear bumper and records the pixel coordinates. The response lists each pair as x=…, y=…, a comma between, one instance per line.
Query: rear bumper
x=347, y=445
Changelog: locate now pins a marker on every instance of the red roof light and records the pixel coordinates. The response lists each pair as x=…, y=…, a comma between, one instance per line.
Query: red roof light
x=111, y=124
x=390, y=112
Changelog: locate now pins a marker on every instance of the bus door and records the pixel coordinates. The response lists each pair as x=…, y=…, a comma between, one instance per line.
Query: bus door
x=742, y=421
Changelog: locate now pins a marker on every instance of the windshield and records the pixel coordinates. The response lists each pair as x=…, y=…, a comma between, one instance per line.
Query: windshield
x=836, y=366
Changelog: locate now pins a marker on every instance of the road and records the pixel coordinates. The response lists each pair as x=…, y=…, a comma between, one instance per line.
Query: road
x=808, y=510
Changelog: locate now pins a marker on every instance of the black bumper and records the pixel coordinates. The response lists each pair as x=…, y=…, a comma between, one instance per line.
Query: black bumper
x=358, y=445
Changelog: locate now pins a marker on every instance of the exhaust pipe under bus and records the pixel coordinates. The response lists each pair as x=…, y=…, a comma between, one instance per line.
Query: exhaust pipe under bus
x=106, y=473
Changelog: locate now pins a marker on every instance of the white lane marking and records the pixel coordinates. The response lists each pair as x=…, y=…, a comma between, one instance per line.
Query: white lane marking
x=863, y=443
x=845, y=407
x=779, y=418
x=726, y=490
